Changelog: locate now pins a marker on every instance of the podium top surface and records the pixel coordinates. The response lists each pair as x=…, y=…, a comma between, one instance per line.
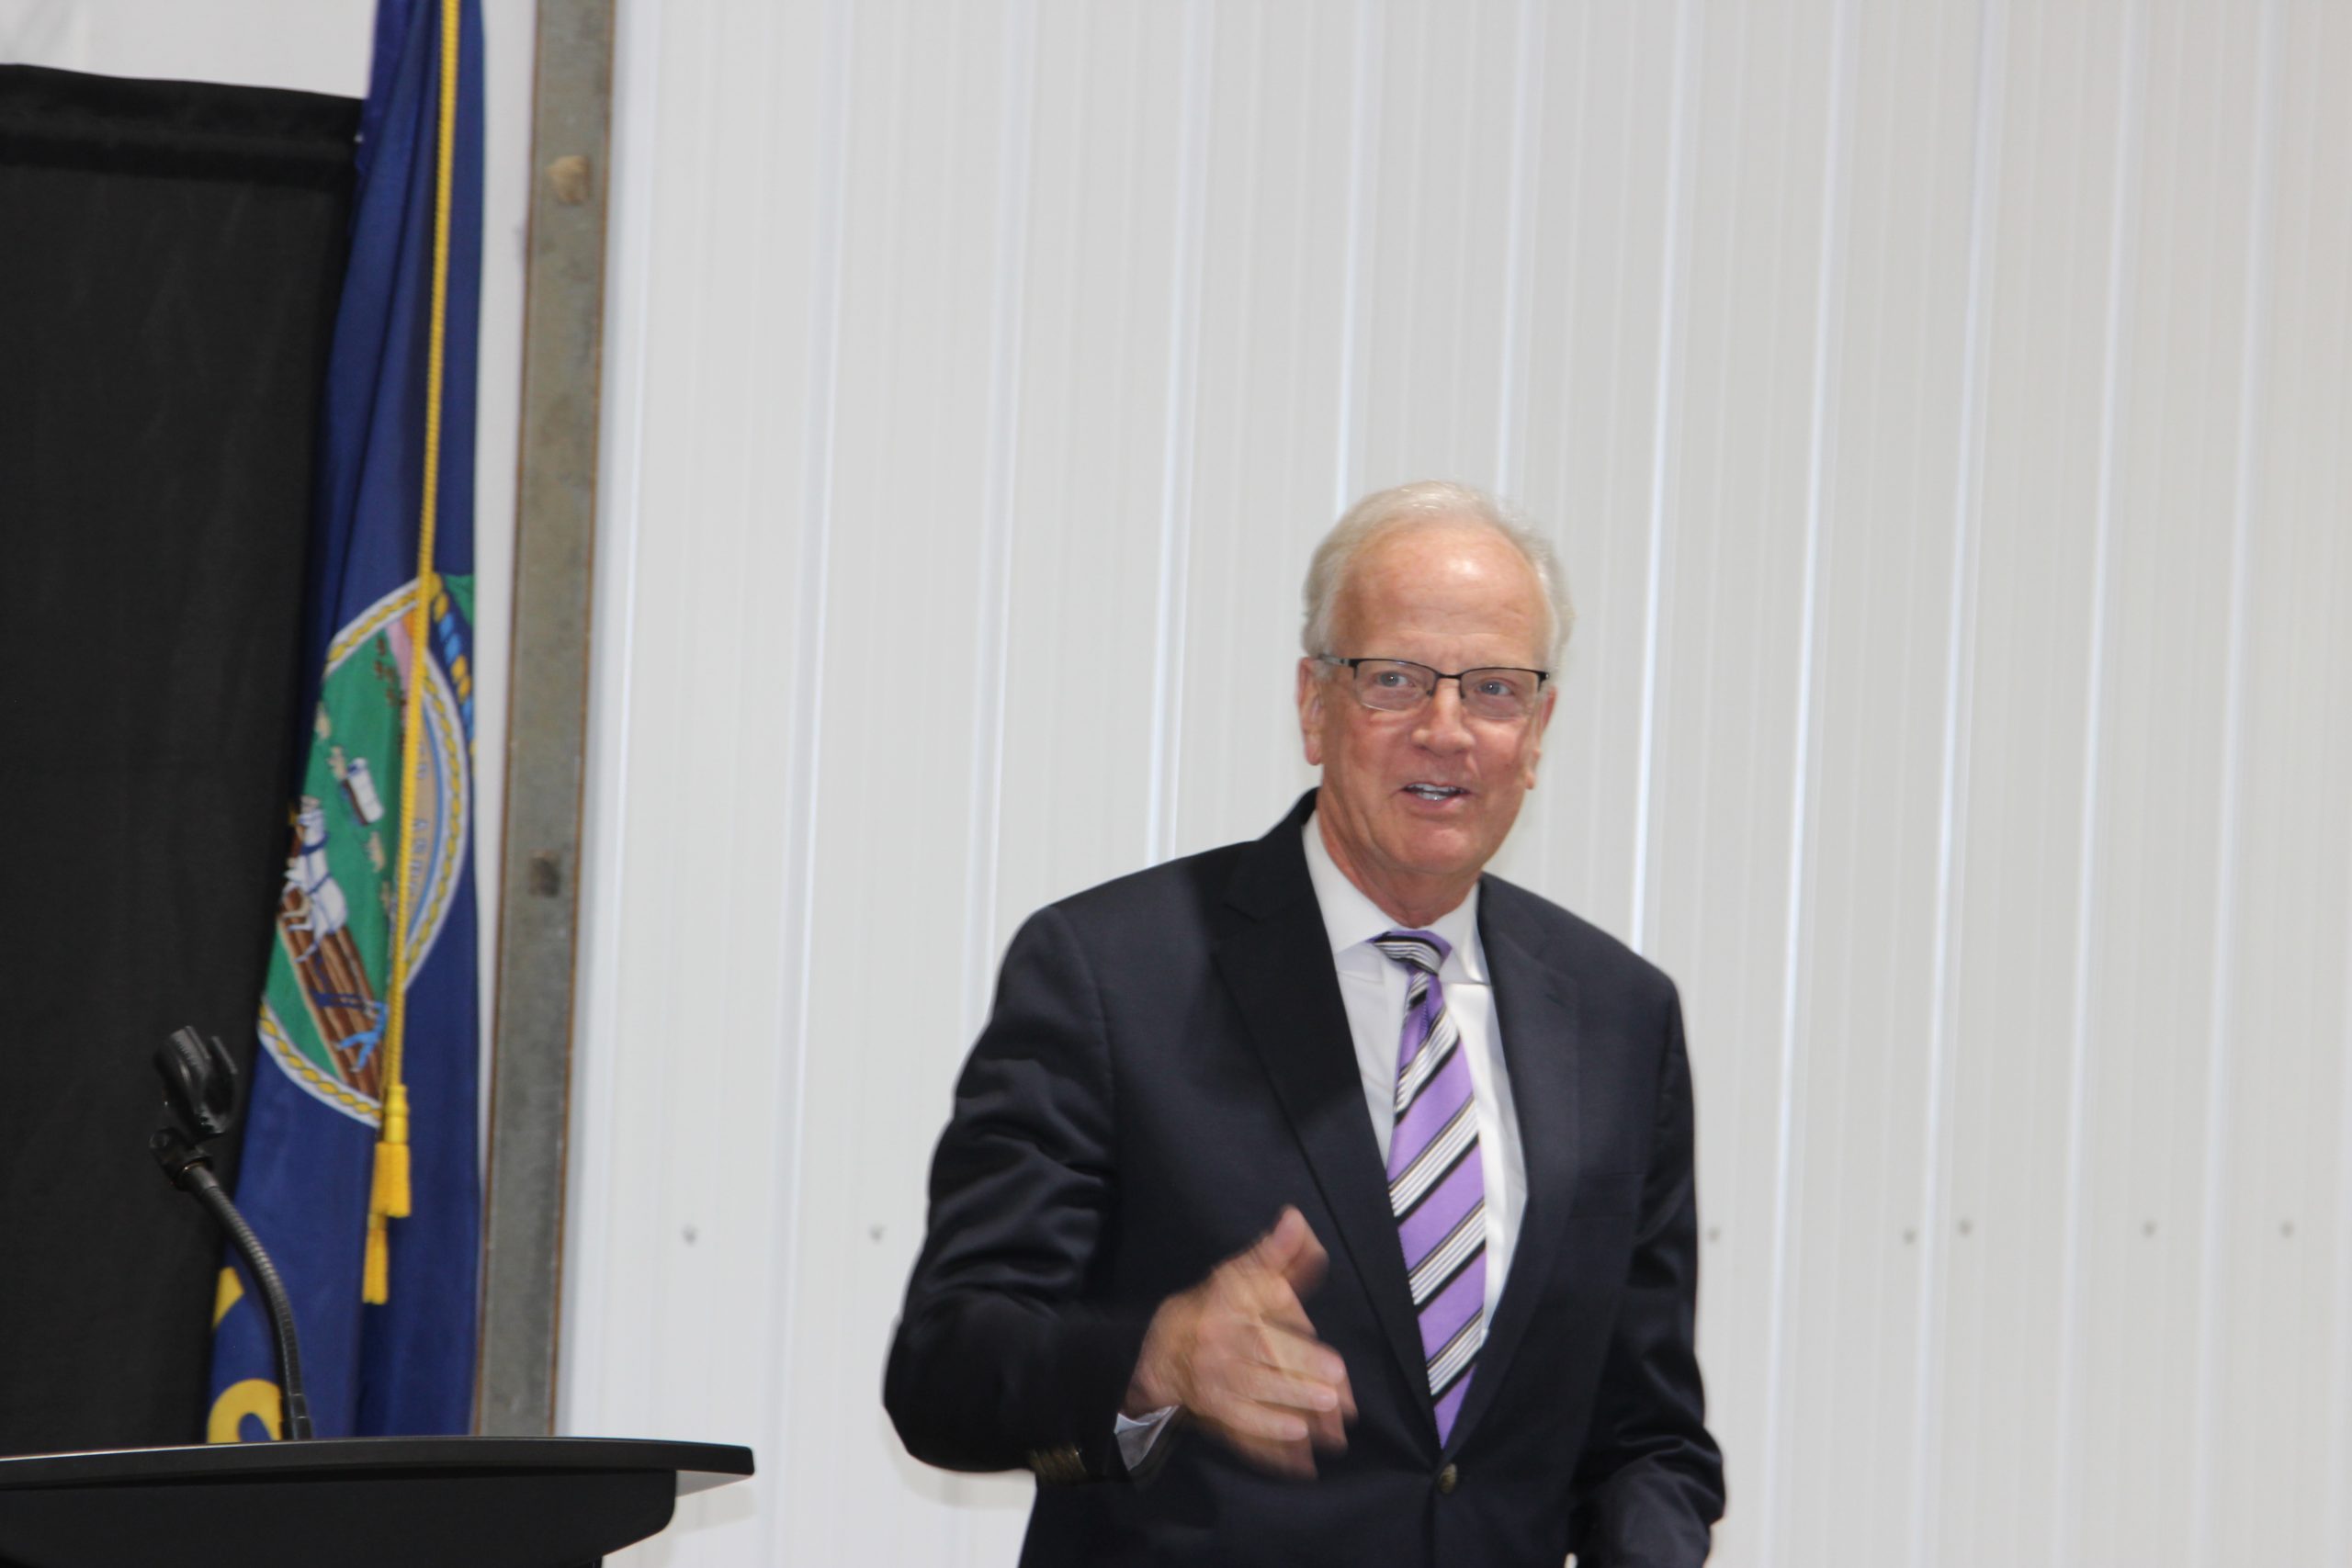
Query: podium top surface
x=698, y=1466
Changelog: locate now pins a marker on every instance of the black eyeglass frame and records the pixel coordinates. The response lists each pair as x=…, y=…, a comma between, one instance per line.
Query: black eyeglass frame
x=1354, y=665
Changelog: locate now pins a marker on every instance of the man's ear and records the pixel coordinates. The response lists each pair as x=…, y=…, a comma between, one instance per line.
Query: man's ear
x=1311, y=710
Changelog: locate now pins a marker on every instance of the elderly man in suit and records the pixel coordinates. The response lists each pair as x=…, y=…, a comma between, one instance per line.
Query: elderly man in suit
x=1323, y=1198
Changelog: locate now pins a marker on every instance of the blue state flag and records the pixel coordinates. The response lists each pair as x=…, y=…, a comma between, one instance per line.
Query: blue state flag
x=360, y=1167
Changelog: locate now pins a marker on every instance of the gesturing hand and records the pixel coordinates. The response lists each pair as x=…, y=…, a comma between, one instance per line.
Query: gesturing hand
x=1237, y=1352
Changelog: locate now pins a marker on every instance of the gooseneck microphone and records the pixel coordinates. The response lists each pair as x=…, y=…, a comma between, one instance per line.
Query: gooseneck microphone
x=200, y=1094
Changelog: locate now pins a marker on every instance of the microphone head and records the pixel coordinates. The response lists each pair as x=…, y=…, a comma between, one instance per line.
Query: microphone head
x=199, y=1083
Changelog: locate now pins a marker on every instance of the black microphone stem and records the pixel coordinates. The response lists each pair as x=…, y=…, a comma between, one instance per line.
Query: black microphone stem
x=197, y=1176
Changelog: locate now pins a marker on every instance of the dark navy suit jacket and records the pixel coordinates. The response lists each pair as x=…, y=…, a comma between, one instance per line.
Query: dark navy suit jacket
x=1168, y=1064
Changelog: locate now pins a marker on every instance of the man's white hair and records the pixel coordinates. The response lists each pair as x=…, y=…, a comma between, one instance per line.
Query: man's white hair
x=1422, y=502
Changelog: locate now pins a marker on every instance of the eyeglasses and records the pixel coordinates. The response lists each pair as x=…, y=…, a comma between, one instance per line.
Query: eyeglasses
x=1400, y=685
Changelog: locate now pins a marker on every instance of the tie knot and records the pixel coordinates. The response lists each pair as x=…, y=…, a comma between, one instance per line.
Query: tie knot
x=1419, y=950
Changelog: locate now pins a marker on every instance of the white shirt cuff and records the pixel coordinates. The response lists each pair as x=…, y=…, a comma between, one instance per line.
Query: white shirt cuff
x=1138, y=1434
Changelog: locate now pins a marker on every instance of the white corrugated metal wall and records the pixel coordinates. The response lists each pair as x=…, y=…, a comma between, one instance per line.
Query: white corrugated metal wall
x=1942, y=408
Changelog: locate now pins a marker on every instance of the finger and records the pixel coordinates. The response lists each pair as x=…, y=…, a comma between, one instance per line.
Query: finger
x=1237, y=1413
x=1325, y=1406
x=1272, y=1386
x=1300, y=1354
x=1327, y=1431
x=1254, y=1361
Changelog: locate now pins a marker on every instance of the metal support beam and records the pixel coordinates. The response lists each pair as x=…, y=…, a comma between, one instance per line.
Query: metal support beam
x=547, y=724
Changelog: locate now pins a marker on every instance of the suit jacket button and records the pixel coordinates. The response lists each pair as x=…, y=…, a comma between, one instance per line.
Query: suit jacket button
x=1448, y=1479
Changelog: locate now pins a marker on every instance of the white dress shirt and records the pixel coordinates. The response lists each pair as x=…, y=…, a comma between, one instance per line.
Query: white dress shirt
x=1372, y=986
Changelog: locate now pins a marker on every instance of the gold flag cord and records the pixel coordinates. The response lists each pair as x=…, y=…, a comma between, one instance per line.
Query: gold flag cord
x=388, y=1198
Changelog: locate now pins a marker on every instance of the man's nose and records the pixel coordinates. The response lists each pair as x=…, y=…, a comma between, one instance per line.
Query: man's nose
x=1443, y=727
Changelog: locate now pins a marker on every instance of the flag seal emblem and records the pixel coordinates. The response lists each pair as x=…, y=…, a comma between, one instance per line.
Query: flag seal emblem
x=323, y=1009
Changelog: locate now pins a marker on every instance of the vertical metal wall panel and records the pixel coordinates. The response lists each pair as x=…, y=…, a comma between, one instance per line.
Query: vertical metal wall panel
x=1438, y=261
x=2000, y=1353
x=1598, y=137
x=990, y=656
x=2286, y=1022
x=2163, y=836
x=1085, y=547
x=1743, y=400
x=982, y=373
x=918, y=330
x=1894, y=619
x=1267, y=335
x=2311, y=326
x=688, y=1110
x=2235, y=924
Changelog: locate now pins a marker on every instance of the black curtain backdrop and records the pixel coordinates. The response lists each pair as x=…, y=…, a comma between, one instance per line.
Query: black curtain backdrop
x=170, y=254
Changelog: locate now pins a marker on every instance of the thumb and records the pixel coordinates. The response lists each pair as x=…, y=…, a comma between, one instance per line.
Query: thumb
x=1291, y=1251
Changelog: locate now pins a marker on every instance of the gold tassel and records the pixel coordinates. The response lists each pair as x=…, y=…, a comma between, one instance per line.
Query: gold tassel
x=391, y=1194
x=375, y=1279
x=388, y=1198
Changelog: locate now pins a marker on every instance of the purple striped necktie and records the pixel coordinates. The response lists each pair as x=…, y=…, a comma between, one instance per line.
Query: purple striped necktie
x=1437, y=1187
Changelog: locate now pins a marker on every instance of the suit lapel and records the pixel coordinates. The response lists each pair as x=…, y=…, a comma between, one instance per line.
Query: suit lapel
x=1535, y=1010
x=1279, y=970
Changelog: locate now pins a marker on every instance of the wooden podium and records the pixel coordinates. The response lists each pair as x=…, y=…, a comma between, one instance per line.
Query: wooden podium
x=352, y=1502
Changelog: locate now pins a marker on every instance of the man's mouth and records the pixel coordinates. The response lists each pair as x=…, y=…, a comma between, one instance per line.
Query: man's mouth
x=1434, y=790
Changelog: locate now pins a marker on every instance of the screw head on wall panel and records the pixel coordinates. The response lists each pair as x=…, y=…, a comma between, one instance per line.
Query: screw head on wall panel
x=570, y=176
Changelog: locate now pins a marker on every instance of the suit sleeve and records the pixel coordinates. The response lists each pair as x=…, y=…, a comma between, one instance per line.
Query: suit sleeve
x=1650, y=1482
x=1005, y=1356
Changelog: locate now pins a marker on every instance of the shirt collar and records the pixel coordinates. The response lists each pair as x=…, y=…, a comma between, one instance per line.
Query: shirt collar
x=1351, y=918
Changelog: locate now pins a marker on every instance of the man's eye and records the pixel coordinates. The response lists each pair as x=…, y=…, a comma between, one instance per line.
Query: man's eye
x=1393, y=679
x=1494, y=686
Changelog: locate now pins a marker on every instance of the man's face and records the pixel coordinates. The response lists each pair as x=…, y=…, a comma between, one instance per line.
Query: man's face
x=1414, y=803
